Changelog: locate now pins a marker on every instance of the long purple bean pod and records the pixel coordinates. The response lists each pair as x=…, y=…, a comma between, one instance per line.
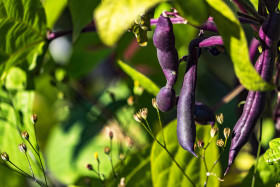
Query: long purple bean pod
x=164, y=41
x=269, y=34
x=186, y=130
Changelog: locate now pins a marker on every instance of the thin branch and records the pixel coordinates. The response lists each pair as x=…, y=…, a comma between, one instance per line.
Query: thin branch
x=231, y=95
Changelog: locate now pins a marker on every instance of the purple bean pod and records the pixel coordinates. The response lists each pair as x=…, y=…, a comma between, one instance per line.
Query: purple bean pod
x=164, y=41
x=269, y=34
x=203, y=115
x=186, y=130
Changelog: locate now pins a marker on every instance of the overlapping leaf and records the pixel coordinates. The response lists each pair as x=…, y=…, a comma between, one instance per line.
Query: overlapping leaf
x=22, y=32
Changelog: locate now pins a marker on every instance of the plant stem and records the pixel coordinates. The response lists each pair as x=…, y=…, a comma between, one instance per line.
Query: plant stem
x=250, y=9
x=148, y=126
x=26, y=174
x=111, y=160
x=231, y=95
x=258, y=154
x=29, y=165
x=164, y=143
x=38, y=153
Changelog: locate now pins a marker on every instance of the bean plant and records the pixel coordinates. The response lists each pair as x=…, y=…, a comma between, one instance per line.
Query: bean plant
x=139, y=93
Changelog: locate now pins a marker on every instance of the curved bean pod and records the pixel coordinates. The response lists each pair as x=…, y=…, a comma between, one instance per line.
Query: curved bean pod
x=269, y=34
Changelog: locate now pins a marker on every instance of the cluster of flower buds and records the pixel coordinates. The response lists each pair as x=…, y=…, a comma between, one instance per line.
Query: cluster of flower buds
x=141, y=114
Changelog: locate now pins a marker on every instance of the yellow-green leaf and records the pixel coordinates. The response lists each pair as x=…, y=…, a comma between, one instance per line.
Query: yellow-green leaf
x=114, y=17
x=236, y=44
x=144, y=81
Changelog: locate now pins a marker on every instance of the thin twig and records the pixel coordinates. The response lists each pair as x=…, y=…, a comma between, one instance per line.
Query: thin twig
x=231, y=95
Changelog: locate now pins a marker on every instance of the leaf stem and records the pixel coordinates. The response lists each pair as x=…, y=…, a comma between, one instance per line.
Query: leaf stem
x=250, y=9
x=258, y=154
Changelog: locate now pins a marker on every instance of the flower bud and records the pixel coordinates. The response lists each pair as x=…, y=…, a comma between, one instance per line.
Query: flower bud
x=22, y=147
x=220, y=118
x=5, y=156
x=214, y=132
x=226, y=132
x=220, y=143
x=34, y=118
x=130, y=101
x=96, y=155
x=137, y=117
x=25, y=135
x=200, y=143
x=122, y=182
x=111, y=134
x=154, y=103
x=107, y=150
x=144, y=113
x=137, y=89
x=122, y=156
x=89, y=166
x=129, y=142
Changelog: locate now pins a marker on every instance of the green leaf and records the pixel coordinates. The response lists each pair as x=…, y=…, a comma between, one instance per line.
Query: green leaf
x=81, y=13
x=272, y=155
x=16, y=79
x=236, y=45
x=114, y=17
x=144, y=81
x=22, y=32
x=135, y=169
x=266, y=175
x=195, y=11
x=15, y=118
x=53, y=9
x=166, y=173
x=255, y=3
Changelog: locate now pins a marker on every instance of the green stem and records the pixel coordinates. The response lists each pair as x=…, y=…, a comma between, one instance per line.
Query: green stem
x=29, y=165
x=38, y=153
x=159, y=119
x=258, y=154
x=111, y=160
x=148, y=126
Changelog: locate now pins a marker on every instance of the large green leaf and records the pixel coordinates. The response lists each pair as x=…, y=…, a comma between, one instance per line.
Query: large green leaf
x=195, y=11
x=236, y=45
x=22, y=32
x=114, y=17
x=166, y=173
x=272, y=155
x=145, y=82
x=266, y=175
x=53, y=9
x=81, y=13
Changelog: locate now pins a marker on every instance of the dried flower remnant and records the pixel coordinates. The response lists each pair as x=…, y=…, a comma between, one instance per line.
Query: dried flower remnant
x=144, y=113
x=154, y=103
x=5, y=156
x=200, y=143
x=214, y=132
x=137, y=117
x=111, y=134
x=34, y=118
x=130, y=101
x=25, y=135
x=220, y=118
x=226, y=132
x=89, y=166
x=220, y=143
x=107, y=150
x=22, y=147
